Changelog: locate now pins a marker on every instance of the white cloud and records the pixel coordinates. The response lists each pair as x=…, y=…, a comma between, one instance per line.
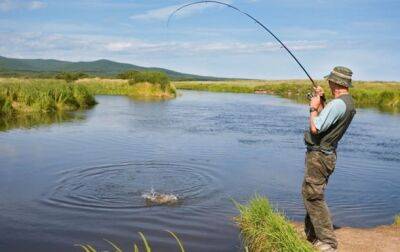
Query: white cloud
x=162, y=14
x=39, y=43
x=118, y=46
x=156, y=14
x=197, y=48
x=8, y=5
x=34, y=5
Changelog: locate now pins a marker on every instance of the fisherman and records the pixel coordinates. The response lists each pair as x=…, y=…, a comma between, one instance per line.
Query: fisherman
x=327, y=126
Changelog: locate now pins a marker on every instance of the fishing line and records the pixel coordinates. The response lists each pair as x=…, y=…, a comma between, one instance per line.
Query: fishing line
x=251, y=17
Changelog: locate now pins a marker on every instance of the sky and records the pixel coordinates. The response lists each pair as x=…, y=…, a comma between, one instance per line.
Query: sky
x=209, y=39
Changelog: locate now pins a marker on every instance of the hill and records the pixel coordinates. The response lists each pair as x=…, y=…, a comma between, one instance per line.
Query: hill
x=101, y=68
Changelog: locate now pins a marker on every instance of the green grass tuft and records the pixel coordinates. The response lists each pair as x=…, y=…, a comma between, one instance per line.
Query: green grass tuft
x=177, y=240
x=146, y=244
x=116, y=248
x=265, y=229
x=397, y=220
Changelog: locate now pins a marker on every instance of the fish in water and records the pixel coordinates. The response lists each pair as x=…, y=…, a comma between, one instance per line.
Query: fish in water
x=155, y=198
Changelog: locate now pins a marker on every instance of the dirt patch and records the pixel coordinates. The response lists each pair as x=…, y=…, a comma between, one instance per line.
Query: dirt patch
x=382, y=238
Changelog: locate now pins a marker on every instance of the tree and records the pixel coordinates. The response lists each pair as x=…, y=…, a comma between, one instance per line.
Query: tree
x=70, y=76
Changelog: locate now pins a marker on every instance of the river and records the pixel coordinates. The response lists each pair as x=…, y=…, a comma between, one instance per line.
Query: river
x=81, y=181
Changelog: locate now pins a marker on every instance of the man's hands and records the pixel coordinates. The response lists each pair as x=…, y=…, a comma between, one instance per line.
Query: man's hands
x=319, y=91
x=317, y=104
x=316, y=101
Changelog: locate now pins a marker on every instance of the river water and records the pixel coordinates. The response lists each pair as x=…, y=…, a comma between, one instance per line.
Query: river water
x=81, y=181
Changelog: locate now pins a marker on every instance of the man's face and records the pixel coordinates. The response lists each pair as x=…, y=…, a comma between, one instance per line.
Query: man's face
x=332, y=87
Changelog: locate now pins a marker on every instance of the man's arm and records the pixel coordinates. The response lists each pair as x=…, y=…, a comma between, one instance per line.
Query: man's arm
x=320, y=122
x=316, y=106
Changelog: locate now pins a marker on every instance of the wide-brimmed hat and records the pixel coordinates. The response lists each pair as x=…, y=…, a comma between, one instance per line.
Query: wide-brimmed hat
x=341, y=76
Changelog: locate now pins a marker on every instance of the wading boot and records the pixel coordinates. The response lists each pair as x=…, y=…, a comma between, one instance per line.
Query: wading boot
x=324, y=247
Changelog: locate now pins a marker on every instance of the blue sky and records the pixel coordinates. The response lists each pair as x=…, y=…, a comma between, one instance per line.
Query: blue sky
x=208, y=39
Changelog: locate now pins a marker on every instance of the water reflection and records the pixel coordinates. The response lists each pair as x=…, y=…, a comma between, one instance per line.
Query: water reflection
x=32, y=120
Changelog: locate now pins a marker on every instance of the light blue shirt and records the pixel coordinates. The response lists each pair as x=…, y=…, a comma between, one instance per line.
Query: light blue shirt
x=333, y=111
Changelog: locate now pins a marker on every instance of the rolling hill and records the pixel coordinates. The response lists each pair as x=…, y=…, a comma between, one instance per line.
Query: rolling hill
x=101, y=68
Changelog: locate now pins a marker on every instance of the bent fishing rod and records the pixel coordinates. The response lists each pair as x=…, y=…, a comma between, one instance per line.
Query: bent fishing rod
x=251, y=17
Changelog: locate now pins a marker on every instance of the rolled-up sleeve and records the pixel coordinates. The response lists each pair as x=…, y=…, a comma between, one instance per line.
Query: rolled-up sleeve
x=333, y=111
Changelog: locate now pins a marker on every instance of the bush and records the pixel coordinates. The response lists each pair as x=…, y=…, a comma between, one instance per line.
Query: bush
x=70, y=76
x=127, y=75
x=135, y=77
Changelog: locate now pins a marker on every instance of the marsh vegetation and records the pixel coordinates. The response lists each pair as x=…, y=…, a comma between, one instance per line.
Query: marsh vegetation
x=129, y=88
x=66, y=92
x=19, y=96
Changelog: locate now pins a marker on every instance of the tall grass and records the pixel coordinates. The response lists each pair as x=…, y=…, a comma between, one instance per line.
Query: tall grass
x=116, y=248
x=264, y=229
x=384, y=96
x=129, y=88
x=42, y=96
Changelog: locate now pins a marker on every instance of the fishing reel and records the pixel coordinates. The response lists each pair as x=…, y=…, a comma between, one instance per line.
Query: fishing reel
x=310, y=95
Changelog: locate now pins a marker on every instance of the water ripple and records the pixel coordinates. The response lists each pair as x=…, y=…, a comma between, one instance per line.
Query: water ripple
x=120, y=186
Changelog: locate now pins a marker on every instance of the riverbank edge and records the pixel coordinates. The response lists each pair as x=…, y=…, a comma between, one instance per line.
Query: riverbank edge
x=383, y=96
x=263, y=228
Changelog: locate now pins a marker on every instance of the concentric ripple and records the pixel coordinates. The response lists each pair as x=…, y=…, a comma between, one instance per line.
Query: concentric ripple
x=121, y=186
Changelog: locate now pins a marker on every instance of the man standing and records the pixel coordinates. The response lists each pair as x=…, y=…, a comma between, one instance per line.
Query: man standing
x=327, y=126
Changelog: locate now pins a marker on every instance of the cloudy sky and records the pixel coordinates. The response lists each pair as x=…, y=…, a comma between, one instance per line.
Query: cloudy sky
x=209, y=39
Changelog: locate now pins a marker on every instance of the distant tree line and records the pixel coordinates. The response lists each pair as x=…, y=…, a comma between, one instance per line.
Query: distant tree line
x=67, y=76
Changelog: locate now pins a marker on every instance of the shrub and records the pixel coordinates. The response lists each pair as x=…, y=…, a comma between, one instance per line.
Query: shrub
x=135, y=77
x=70, y=76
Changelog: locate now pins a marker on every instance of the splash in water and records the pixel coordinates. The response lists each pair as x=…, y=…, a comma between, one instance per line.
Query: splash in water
x=155, y=198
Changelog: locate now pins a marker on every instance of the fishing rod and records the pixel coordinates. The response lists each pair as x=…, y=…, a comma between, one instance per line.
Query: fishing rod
x=254, y=19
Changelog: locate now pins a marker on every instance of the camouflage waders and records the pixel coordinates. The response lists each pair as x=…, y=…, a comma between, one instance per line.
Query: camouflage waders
x=318, y=224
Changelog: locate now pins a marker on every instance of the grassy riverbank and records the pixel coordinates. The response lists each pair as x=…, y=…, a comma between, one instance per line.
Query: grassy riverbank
x=264, y=229
x=124, y=87
x=21, y=96
x=384, y=96
x=25, y=96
